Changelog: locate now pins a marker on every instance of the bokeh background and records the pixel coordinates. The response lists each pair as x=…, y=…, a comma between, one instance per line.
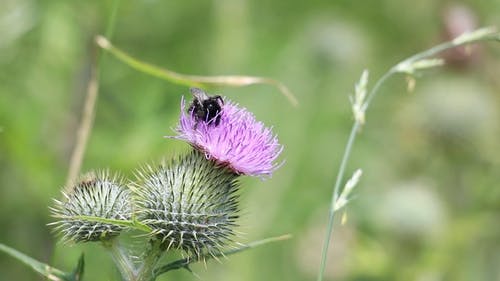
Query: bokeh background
x=427, y=207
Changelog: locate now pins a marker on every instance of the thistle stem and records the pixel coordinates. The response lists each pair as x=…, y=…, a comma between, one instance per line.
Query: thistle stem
x=150, y=260
x=121, y=259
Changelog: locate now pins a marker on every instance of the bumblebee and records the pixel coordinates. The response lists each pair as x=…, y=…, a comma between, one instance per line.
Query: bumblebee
x=205, y=108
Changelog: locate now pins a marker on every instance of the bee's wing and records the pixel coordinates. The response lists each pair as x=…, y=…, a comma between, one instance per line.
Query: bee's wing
x=199, y=94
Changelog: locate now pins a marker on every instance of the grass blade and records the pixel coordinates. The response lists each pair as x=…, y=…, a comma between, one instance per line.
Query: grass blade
x=193, y=80
x=184, y=263
x=46, y=270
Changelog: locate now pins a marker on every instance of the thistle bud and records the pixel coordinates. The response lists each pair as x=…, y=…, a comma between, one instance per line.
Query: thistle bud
x=93, y=195
x=190, y=204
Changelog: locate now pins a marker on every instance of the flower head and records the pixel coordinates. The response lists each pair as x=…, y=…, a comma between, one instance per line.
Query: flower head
x=235, y=140
x=189, y=203
x=93, y=195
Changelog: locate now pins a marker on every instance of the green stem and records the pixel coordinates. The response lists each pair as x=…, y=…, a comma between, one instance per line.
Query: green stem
x=336, y=189
x=151, y=257
x=121, y=259
x=184, y=263
x=375, y=88
x=51, y=273
x=485, y=34
x=110, y=26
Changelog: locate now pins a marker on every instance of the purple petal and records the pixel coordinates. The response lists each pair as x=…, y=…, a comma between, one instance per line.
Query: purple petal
x=239, y=141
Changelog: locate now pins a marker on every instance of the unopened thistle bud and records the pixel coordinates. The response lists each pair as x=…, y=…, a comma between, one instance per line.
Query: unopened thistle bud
x=94, y=195
x=190, y=203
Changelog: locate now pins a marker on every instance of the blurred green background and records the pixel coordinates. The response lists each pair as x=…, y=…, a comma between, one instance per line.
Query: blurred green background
x=427, y=207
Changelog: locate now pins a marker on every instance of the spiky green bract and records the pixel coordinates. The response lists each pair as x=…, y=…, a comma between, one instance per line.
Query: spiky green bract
x=190, y=203
x=93, y=195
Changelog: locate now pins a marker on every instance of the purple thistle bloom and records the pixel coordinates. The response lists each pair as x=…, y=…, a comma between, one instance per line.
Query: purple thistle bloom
x=237, y=141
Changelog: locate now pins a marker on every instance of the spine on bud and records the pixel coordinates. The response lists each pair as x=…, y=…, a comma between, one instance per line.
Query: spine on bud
x=93, y=195
x=190, y=203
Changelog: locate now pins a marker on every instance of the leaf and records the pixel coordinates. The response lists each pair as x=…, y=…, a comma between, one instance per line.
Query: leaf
x=126, y=223
x=184, y=263
x=192, y=80
x=78, y=272
x=44, y=269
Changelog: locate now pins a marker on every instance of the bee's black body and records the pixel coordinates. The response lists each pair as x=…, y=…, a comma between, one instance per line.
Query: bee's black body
x=206, y=108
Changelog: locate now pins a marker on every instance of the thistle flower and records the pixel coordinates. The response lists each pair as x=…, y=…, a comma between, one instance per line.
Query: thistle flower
x=93, y=195
x=190, y=204
x=235, y=140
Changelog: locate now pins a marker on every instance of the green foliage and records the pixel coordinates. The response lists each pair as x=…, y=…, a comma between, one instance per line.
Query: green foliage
x=49, y=272
x=426, y=207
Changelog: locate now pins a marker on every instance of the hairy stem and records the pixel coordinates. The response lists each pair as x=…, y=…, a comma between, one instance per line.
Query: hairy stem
x=150, y=260
x=121, y=259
